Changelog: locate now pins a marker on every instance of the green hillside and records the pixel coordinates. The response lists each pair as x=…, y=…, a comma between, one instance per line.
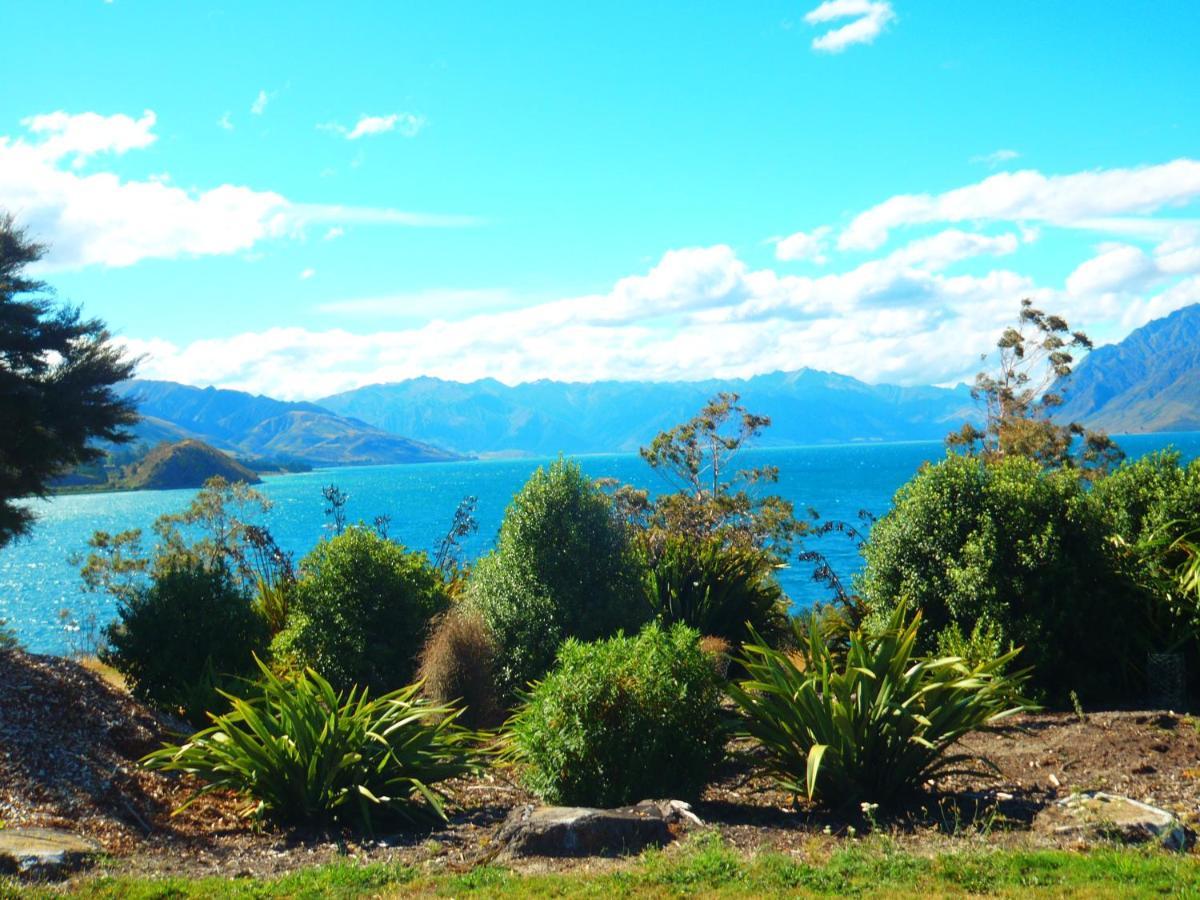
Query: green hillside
x=186, y=464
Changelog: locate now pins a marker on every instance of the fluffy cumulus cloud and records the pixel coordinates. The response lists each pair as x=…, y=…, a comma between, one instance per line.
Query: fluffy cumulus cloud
x=803, y=245
x=79, y=137
x=868, y=19
x=100, y=218
x=918, y=309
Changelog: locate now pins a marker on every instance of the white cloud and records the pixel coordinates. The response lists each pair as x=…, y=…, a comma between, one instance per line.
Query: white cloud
x=1126, y=269
x=334, y=233
x=996, y=158
x=1030, y=196
x=905, y=315
x=102, y=219
x=307, y=274
x=804, y=246
x=84, y=135
x=405, y=124
x=870, y=18
x=225, y=122
x=941, y=250
x=702, y=312
x=259, y=106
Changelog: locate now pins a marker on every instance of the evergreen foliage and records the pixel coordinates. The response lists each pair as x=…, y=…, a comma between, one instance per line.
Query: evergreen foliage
x=360, y=610
x=179, y=637
x=564, y=566
x=57, y=371
x=622, y=720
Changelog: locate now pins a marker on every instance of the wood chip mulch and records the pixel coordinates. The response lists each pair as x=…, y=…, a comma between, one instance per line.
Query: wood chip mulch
x=70, y=741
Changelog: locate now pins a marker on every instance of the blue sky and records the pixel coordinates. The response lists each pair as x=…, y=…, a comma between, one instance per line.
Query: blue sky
x=299, y=198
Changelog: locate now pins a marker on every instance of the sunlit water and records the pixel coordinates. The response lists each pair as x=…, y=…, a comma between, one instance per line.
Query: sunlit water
x=38, y=580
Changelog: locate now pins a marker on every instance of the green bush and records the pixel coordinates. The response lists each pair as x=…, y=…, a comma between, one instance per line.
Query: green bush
x=307, y=755
x=360, y=610
x=563, y=567
x=622, y=720
x=1143, y=497
x=177, y=637
x=1021, y=550
x=715, y=588
x=873, y=725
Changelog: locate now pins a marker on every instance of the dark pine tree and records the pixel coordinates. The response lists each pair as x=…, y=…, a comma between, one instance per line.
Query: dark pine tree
x=57, y=370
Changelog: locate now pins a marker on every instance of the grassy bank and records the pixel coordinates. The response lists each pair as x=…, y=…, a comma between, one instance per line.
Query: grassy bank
x=705, y=866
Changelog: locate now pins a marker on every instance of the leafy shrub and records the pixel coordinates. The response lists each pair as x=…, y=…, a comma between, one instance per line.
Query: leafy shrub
x=458, y=665
x=621, y=720
x=359, y=611
x=715, y=588
x=563, y=567
x=985, y=642
x=1146, y=496
x=1022, y=548
x=874, y=725
x=175, y=637
x=305, y=754
x=1152, y=508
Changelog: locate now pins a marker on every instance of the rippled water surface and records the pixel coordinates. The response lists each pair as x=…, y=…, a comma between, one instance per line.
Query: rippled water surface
x=38, y=580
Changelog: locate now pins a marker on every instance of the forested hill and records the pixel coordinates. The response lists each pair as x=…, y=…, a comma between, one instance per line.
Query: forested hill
x=548, y=417
x=1148, y=382
x=255, y=426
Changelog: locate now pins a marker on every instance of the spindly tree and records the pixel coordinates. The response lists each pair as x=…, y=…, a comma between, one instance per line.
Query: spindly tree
x=57, y=370
x=1020, y=398
x=712, y=497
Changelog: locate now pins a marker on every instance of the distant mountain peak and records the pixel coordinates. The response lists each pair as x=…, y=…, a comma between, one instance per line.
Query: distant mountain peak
x=1150, y=381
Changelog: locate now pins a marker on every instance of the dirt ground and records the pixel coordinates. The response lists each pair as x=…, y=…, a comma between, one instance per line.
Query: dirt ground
x=69, y=742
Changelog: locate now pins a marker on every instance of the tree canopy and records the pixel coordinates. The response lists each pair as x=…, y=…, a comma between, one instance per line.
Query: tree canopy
x=57, y=370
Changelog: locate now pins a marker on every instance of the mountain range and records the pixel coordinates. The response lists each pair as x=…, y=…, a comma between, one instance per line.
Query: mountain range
x=487, y=417
x=1148, y=382
x=253, y=426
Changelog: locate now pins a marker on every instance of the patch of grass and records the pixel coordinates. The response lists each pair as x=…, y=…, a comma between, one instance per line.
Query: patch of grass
x=114, y=678
x=705, y=865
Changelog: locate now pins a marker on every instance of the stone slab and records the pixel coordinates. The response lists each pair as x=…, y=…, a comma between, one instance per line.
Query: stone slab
x=583, y=831
x=44, y=851
x=1096, y=814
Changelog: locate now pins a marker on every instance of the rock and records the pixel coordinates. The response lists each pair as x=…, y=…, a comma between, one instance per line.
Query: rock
x=43, y=851
x=581, y=831
x=1095, y=814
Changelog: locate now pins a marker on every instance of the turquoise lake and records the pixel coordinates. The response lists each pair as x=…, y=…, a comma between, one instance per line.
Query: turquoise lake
x=38, y=580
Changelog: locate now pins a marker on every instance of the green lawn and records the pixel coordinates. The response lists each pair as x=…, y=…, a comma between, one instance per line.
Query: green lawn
x=704, y=866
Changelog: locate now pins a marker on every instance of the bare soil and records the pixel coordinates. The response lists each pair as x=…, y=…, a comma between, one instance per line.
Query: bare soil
x=70, y=741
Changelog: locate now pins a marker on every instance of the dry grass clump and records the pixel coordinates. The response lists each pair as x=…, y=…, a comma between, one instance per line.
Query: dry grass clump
x=718, y=650
x=458, y=663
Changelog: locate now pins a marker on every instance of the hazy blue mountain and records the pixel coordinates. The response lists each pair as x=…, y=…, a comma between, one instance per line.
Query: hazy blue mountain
x=1148, y=382
x=547, y=417
x=262, y=427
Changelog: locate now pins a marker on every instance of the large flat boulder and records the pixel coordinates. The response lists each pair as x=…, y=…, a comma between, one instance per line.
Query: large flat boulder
x=582, y=831
x=1097, y=815
x=43, y=852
